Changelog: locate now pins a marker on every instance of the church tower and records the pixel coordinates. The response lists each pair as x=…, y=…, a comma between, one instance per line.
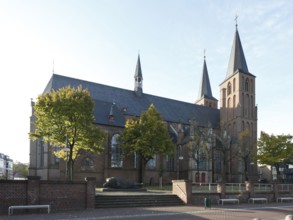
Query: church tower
x=205, y=96
x=238, y=112
x=138, y=78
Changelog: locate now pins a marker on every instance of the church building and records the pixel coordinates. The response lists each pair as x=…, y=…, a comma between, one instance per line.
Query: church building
x=113, y=106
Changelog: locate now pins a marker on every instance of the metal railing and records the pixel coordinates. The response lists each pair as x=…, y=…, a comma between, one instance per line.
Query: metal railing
x=239, y=187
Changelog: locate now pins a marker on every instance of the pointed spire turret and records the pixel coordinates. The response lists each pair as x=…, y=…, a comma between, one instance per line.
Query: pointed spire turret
x=205, y=96
x=237, y=59
x=138, y=78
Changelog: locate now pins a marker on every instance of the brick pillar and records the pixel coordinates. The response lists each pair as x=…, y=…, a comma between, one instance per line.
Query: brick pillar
x=221, y=189
x=33, y=190
x=90, y=192
x=249, y=188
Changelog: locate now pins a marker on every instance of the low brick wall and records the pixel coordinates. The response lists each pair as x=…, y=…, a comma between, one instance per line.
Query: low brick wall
x=60, y=195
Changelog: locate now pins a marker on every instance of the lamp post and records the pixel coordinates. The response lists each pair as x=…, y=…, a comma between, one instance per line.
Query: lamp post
x=66, y=149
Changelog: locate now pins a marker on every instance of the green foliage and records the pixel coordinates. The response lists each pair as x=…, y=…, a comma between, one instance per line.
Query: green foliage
x=147, y=135
x=67, y=112
x=274, y=149
x=20, y=168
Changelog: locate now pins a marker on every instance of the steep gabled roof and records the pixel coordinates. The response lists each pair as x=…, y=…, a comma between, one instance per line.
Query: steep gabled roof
x=127, y=103
x=237, y=59
x=205, y=90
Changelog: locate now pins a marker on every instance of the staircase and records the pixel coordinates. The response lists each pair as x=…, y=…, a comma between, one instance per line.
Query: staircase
x=115, y=200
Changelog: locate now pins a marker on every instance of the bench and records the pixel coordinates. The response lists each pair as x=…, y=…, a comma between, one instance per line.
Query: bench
x=228, y=200
x=11, y=208
x=257, y=199
x=284, y=198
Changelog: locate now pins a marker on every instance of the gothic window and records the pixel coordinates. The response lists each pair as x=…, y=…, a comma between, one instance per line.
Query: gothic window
x=54, y=159
x=151, y=164
x=87, y=164
x=116, y=152
x=234, y=105
x=246, y=85
x=41, y=152
x=229, y=88
x=170, y=163
x=234, y=85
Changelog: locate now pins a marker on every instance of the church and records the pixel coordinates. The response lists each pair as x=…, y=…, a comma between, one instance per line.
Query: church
x=113, y=106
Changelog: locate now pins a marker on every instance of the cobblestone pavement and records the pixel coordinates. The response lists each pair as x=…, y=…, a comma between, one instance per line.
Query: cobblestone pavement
x=273, y=211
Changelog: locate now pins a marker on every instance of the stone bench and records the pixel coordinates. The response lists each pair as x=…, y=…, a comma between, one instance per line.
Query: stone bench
x=11, y=208
x=228, y=200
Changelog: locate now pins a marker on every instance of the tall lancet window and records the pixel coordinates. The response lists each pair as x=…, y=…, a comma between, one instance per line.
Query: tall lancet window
x=116, y=152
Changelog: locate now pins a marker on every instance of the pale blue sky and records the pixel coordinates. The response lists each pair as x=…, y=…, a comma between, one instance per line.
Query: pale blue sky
x=99, y=40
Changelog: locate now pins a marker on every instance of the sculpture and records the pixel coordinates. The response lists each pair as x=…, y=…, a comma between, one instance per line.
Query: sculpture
x=118, y=183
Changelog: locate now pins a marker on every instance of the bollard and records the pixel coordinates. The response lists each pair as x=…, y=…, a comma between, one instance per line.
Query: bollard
x=207, y=202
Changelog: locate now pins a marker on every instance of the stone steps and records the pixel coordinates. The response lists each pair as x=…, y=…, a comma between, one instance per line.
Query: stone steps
x=140, y=200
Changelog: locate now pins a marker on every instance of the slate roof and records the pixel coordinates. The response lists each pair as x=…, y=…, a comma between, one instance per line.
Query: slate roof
x=205, y=90
x=126, y=102
x=237, y=59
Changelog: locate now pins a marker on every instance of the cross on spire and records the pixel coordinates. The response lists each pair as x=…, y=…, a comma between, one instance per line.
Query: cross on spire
x=236, y=19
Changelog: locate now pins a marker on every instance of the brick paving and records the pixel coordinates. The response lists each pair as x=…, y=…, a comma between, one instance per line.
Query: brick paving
x=271, y=211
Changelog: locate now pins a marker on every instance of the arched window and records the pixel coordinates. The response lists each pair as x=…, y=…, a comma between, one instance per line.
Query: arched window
x=234, y=105
x=151, y=164
x=246, y=85
x=234, y=85
x=229, y=88
x=116, y=152
x=87, y=164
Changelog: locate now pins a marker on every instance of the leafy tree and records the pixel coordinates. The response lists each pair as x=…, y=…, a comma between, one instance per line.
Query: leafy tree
x=64, y=118
x=245, y=152
x=274, y=149
x=224, y=148
x=147, y=137
x=199, y=144
x=20, y=168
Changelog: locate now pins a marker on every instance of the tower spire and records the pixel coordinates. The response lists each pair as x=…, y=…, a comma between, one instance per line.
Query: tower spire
x=138, y=78
x=205, y=96
x=237, y=59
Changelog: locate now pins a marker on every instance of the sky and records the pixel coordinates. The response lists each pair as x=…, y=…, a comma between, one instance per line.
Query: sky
x=99, y=41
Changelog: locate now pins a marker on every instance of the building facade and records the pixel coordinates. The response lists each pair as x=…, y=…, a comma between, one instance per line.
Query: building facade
x=115, y=105
x=6, y=167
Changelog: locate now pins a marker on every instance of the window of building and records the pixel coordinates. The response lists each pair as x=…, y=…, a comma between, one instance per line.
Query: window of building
x=116, y=152
x=54, y=159
x=234, y=85
x=41, y=152
x=151, y=164
x=229, y=88
x=87, y=164
x=246, y=85
x=170, y=163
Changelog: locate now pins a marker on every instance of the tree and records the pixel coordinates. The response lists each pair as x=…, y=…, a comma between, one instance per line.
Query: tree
x=274, y=149
x=20, y=168
x=199, y=144
x=245, y=152
x=64, y=118
x=147, y=137
x=224, y=148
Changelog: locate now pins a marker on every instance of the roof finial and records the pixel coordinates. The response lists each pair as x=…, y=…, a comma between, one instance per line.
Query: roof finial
x=236, y=18
x=53, y=67
x=204, y=54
